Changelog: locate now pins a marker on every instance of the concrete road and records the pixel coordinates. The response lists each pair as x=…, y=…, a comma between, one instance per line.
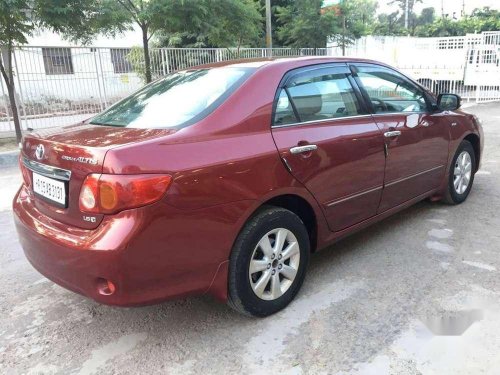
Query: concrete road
x=416, y=293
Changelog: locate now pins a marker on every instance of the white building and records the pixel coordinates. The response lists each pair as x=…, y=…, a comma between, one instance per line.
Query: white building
x=101, y=70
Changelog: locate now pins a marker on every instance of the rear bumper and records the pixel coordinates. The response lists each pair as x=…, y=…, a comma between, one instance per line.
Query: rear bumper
x=150, y=254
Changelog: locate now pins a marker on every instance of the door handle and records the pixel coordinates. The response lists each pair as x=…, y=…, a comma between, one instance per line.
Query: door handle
x=301, y=149
x=395, y=133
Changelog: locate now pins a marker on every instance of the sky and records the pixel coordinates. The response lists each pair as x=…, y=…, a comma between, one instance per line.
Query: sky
x=449, y=6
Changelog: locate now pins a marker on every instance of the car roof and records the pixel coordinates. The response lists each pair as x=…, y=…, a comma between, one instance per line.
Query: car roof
x=260, y=62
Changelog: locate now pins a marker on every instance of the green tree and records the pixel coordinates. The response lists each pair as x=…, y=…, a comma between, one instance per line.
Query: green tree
x=152, y=16
x=78, y=19
x=197, y=23
x=234, y=23
x=275, y=21
x=427, y=16
x=14, y=26
x=394, y=23
x=308, y=24
x=402, y=6
x=388, y=24
x=303, y=24
x=421, y=22
x=356, y=18
x=481, y=19
x=428, y=25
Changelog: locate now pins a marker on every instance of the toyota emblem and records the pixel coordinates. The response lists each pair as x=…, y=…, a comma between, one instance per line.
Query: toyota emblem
x=40, y=150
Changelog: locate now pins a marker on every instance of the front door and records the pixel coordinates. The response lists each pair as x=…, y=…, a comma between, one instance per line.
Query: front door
x=330, y=144
x=416, y=140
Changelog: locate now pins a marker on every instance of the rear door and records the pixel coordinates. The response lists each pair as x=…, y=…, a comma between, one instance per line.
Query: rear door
x=330, y=143
x=416, y=139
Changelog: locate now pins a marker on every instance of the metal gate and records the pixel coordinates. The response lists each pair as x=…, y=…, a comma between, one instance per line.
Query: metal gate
x=487, y=67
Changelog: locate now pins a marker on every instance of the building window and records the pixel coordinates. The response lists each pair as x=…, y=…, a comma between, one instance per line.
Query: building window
x=119, y=60
x=57, y=61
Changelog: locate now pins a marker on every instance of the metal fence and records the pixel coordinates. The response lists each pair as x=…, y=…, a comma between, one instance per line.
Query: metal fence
x=57, y=86
x=466, y=65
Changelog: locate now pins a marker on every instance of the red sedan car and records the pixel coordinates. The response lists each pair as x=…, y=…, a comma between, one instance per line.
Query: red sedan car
x=222, y=179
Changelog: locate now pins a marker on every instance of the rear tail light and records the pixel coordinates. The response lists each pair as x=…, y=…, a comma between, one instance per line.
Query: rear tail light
x=108, y=194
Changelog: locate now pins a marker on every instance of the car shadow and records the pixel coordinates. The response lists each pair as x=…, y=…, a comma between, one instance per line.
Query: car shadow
x=321, y=263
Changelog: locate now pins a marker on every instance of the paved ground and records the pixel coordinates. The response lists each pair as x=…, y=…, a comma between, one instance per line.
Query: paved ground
x=384, y=301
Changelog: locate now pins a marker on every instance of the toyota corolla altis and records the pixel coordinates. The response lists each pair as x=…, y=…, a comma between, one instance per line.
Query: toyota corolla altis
x=223, y=179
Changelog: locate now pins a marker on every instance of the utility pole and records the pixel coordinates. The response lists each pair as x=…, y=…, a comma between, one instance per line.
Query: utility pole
x=344, y=26
x=463, y=8
x=269, y=37
x=406, y=15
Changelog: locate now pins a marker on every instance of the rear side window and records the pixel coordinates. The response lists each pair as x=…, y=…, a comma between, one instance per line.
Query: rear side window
x=180, y=99
x=284, y=110
x=316, y=96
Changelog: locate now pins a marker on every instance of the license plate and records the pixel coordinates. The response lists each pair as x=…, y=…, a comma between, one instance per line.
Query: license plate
x=50, y=189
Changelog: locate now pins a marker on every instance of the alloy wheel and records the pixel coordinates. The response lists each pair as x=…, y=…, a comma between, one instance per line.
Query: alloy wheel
x=462, y=172
x=274, y=264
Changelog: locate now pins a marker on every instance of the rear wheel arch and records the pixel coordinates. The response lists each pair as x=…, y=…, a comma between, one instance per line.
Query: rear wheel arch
x=300, y=207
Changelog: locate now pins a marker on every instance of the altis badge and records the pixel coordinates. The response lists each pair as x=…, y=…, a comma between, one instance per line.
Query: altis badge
x=79, y=159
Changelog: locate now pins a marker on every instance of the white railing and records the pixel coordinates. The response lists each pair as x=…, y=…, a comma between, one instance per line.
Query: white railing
x=57, y=86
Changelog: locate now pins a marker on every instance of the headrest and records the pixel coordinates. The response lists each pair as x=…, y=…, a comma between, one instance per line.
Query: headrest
x=307, y=99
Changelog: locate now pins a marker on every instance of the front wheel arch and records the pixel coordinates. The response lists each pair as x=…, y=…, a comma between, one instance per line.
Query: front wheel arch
x=473, y=139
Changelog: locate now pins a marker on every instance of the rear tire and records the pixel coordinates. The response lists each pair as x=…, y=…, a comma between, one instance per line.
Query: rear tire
x=461, y=175
x=268, y=262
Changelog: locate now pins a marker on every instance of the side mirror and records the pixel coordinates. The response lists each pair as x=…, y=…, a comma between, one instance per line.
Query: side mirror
x=448, y=102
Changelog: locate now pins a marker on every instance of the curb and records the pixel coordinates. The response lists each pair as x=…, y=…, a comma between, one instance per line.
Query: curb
x=9, y=158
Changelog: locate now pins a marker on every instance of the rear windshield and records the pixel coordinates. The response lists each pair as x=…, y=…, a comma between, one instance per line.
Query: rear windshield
x=178, y=100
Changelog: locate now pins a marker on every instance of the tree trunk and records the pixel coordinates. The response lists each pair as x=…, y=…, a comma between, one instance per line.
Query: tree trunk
x=15, y=113
x=147, y=59
x=239, y=47
x=8, y=76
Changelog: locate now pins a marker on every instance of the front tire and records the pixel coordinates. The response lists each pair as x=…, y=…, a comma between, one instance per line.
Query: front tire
x=461, y=175
x=268, y=262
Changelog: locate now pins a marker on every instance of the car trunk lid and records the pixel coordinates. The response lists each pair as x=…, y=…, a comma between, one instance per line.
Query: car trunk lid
x=68, y=156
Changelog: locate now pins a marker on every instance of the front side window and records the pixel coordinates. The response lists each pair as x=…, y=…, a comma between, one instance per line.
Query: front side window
x=389, y=92
x=317, y=95
x=180, y=99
